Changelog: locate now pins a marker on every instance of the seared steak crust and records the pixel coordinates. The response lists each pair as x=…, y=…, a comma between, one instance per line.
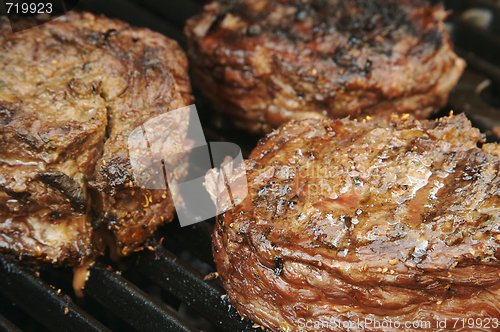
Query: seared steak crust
x=347, y=220
x=71, y=91
x=266, y=62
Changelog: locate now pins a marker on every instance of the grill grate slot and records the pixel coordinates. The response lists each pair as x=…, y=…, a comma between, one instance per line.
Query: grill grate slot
x=132, y=304
x=465, y=98
x=478, y=41
x=176, y=277
x=176, y=12
x=196, y=238
x=134, y=14
x=477, y=92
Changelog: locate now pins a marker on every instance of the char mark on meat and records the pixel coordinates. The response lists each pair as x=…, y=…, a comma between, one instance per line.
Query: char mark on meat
x=66, y=185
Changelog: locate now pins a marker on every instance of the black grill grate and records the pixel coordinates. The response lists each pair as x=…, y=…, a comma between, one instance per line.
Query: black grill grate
x=6, y=325
x=41, y=301
x=157, y=286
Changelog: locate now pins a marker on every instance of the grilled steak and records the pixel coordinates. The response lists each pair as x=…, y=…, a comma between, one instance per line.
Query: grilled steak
x=71, y=91
x=266, y=62
x=348, y=222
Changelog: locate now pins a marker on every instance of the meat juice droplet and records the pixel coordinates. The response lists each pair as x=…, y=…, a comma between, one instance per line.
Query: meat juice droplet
x=87, y=114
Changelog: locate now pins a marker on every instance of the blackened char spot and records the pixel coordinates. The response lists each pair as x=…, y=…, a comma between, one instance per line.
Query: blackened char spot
x=67, y=186
x=342, y=59
x=19, y=195
x=346, y=220
x=368, y=67
x=348, y=22
x=254, y=30
x=116, y=174
x=216, y=23
x=54, y=216
x=392, y=13
x=110, y=32
x=278, y=265
x=24, y=135
x=151, y=58
x=301, y=15
x=7, y=111
x=353, y=41
x=434, y=38
x=95, y=38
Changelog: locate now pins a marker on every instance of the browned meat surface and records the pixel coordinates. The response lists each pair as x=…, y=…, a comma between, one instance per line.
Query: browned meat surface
x=347, y=220
x=71, y=91
x=266, y=62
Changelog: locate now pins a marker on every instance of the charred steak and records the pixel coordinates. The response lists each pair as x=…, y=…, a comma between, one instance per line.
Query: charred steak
x=348, y=223
x=266, y=62
x=71, y=91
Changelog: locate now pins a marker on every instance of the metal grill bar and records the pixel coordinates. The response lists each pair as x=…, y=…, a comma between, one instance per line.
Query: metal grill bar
x=465, y=99
x=480, y=65
x=478, y=41
x=132, y=304
x=56, y=311
x=462, y=5
x=176, y=277
x=7, y=326
x=485, y=43
x=481, y=49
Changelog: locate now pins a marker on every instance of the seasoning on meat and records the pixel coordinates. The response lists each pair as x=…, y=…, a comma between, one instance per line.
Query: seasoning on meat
x=348, y=220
